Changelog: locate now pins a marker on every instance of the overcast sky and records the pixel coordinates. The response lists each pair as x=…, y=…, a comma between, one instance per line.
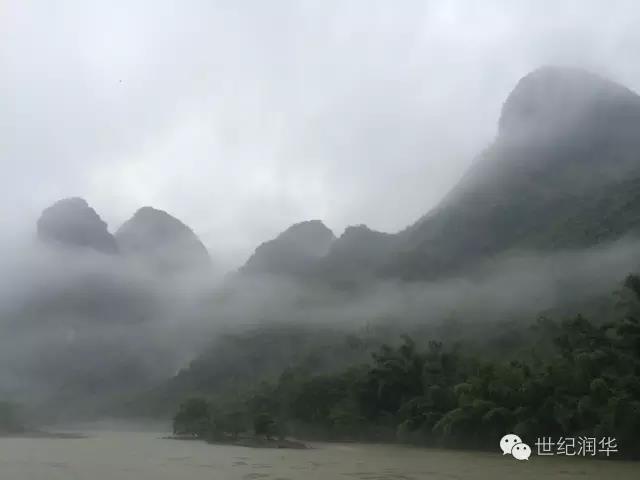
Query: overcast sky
x=243, y=117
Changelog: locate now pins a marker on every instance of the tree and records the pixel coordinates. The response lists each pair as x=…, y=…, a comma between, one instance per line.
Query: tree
x=235, y=423
x=193, y=418
x=10, y=418
x=264, y=424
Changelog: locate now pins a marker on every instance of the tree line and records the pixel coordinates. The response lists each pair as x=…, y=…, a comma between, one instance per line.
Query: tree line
x=574, y=377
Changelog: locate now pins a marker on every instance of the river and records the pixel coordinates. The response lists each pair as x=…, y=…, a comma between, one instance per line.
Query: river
x=146, y=456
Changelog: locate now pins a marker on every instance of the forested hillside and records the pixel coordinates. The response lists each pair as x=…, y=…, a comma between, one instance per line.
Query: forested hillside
x=578, y=376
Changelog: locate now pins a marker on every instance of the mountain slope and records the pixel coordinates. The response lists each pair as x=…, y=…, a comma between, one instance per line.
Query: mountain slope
x=295, y=251
x=162, y=242
x=357, y=255
x=562, y=172
x=71, y=222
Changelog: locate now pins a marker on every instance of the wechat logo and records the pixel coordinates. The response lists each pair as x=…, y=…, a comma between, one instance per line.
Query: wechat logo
x=513, y=444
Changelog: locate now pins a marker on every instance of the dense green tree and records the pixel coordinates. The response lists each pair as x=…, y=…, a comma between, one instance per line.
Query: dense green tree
x=193, y=418
x=264, y=424
x=574, y=377
x=10, y=418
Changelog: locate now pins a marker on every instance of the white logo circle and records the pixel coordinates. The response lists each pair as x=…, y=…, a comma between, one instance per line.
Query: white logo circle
x=508, y=441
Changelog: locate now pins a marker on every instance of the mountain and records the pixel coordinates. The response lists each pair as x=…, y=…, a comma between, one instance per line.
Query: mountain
x=72, y=222
x=294, y=251
x=88, y=328
x=563, y=172
x=356, y=255
x=152, y=237
x=162, y=242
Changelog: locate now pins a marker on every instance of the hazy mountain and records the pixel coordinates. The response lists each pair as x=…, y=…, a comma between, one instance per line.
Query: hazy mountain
x=294, y=251
x=562, y=172
x=357, y=254
x=100, y=324
x=72, y=222
x=162, y=242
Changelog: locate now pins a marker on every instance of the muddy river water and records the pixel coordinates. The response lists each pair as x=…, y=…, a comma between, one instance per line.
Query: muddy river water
x=146, y=456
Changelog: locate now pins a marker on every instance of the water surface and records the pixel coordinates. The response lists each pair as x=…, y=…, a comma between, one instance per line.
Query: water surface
x=145, y=456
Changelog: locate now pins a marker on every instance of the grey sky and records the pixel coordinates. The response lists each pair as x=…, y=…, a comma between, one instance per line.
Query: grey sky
x=242, y=117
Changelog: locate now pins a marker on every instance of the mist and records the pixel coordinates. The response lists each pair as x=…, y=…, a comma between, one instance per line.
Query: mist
x=407, y=222
x=242, y=119
x=83, y=327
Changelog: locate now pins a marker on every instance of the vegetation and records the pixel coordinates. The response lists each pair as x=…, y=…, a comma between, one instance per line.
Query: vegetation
x=577, y=377
x=10, y=418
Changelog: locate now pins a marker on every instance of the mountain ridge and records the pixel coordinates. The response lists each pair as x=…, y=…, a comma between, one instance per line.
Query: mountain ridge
x=72, y=222
x=527, y=181
x=564, y=157
x=153, y=238
x=162, y=242
x=294, y=251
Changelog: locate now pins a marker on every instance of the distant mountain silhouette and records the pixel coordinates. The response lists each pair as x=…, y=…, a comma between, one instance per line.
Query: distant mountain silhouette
x=357, y=255
x=96, y=311
x=72, y=222
x=563, y=172
x=294, y=251
x=162, y=242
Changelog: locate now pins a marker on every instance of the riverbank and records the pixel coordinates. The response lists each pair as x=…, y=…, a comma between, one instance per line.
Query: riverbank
x=248, y=441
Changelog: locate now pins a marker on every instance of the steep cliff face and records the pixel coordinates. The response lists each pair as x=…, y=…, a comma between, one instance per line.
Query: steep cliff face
x=162, y=242
x=71, y=222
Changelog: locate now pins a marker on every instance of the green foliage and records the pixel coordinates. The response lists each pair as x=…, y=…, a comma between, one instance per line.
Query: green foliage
x=587, y=384
x=264, y=424
x=193, y=418
x=10, y=418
